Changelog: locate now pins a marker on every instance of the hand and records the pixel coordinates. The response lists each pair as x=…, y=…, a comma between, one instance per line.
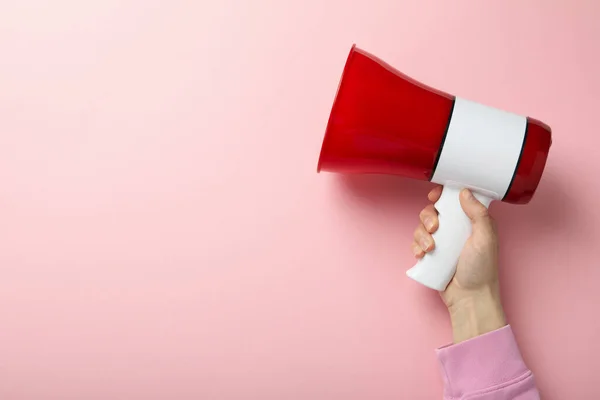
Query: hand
x=473, y=295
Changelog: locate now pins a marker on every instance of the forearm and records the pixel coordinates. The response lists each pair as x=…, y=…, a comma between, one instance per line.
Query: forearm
x=479, y=313
x=484, y=363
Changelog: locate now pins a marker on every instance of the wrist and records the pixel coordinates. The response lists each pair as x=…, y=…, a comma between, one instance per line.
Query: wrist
x=477, y=313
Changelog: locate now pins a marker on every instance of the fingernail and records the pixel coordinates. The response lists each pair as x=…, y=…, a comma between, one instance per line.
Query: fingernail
x=467, y=194
x=428, y=224
x=425, y=244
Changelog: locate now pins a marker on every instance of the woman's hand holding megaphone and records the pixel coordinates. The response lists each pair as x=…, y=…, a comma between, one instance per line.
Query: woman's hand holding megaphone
x=473, y=295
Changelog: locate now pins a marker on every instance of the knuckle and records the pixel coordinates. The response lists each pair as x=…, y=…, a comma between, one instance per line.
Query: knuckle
x=417, y=232
x=427, y=212
x=488, y=221
x=486, y=217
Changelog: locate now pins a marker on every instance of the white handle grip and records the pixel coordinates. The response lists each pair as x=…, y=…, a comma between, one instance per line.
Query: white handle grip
x=437, y=268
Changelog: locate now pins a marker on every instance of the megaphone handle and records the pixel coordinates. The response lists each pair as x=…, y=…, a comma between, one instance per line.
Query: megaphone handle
x=436, y=269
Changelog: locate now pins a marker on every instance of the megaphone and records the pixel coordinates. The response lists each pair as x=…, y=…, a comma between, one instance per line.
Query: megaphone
x=384, y=122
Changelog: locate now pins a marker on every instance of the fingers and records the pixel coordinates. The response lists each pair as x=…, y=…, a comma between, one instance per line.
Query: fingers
x=472, y=207
x=429, y=218
x=435, y=194
x=423, y=239
x=417, y=250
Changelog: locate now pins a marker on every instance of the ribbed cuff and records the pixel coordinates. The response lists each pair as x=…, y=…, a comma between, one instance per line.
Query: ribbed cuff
x=484, y=362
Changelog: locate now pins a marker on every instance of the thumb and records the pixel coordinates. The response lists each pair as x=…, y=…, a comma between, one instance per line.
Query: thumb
x=474, y=209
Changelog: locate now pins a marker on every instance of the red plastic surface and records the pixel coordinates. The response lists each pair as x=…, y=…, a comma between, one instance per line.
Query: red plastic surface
x=384, y=122
x=531, y=164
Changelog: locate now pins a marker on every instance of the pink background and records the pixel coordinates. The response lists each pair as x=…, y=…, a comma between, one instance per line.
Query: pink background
x=164, y=233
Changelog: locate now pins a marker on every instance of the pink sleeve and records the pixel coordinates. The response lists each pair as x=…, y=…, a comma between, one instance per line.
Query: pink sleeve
x=488, y=367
